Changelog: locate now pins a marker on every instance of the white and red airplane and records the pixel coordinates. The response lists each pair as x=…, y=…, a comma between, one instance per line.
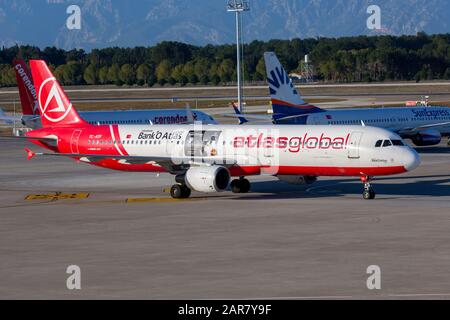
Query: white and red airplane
x=204, y=158
x=31, y=117
x=425, y=126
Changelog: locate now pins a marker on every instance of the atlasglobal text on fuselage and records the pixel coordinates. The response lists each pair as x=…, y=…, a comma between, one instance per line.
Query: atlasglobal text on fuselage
x=204, y=158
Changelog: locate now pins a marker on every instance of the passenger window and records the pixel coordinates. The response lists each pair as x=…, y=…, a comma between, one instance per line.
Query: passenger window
x=387, y=143
x=379, y=143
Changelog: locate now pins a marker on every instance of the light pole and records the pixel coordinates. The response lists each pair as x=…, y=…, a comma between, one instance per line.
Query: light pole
x=238, y=6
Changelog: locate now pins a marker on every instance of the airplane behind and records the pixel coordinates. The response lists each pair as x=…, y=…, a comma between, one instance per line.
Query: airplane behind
x=238, y=112
x=8, y=120
x=425, y=126
x=204, y=159
x=31, y=117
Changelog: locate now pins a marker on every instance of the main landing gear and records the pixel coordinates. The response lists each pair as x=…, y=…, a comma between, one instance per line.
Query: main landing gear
x=369, y=193
x=179, y=191
x=241, y=185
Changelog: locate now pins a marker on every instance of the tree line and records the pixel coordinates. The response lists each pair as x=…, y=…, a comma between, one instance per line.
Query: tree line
x=348, y=59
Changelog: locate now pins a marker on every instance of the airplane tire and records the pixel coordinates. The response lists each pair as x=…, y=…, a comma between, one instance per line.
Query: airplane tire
x=240, y=186
x=180, y=192
x=176, y=192
x=369, y=194
x=235, y=186
x=186, y=192
x=246, y=186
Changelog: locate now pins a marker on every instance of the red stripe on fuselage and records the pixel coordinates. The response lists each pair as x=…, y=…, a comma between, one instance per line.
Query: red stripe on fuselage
x=334, y=171
x=119, y=140
x=238, y=171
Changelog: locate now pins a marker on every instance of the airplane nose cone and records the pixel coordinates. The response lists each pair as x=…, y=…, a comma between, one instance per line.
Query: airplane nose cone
x=411, y=160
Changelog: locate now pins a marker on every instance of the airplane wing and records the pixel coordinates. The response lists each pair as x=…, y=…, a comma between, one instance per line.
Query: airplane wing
x=293, y=117
x=171, y=164
x=8, y=119
x=243, y=118
x=249, y=116
x=428, y=126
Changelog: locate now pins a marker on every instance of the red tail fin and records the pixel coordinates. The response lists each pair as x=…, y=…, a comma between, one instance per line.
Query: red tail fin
x=55, y=107
x=28, y=95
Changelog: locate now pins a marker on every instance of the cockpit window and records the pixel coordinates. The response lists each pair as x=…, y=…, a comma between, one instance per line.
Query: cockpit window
x=387, y=143
x=378, y=144
x=398, y=143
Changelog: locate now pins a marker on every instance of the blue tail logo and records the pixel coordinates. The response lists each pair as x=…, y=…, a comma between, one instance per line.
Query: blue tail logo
x=279, y=77
x=286, y=100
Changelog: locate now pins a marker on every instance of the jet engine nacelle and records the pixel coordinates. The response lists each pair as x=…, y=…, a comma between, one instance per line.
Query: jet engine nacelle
x=298, y=180
x=208, y=179
x=427, y=138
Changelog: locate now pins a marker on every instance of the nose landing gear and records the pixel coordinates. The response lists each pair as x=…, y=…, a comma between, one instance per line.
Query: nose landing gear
x=369, y=192
x=240, y=186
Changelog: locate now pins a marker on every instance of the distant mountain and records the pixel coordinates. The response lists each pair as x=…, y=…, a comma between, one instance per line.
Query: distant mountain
x=146, y=22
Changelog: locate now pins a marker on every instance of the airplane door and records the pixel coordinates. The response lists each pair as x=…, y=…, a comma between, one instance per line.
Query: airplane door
x=193, y=146
x=74, y=141
x=210, y=143
x=353, y=146
x=202, y=143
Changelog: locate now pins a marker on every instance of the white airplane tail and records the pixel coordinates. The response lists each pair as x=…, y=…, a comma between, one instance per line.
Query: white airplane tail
x=286, y=101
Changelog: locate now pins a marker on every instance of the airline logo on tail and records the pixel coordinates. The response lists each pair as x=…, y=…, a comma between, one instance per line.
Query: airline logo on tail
x=280, y=85
x=286, y=100
x=277, y=78
x=54, y=105
x=51, y=101
x=28, y=94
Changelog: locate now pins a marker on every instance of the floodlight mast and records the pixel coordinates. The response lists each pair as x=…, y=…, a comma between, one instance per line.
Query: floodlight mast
x=238, y=6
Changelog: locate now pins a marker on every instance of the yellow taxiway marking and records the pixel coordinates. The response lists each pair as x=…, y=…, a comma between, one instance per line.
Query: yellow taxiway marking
x=164, y=200
x=57, y=196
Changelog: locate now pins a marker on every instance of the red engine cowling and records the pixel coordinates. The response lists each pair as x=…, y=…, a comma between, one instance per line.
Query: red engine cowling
x=427, y=138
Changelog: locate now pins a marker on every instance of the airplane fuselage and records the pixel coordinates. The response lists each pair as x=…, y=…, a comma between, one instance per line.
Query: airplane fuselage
x=132, y=117
x=277, y=150
x=394, y=119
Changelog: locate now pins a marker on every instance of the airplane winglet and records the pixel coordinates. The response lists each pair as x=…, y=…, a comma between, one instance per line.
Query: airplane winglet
x=30, y=154
x=242, y=119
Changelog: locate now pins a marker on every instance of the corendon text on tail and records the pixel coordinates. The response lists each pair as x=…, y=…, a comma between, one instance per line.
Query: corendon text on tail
x=31, y=117
x=204, y=158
